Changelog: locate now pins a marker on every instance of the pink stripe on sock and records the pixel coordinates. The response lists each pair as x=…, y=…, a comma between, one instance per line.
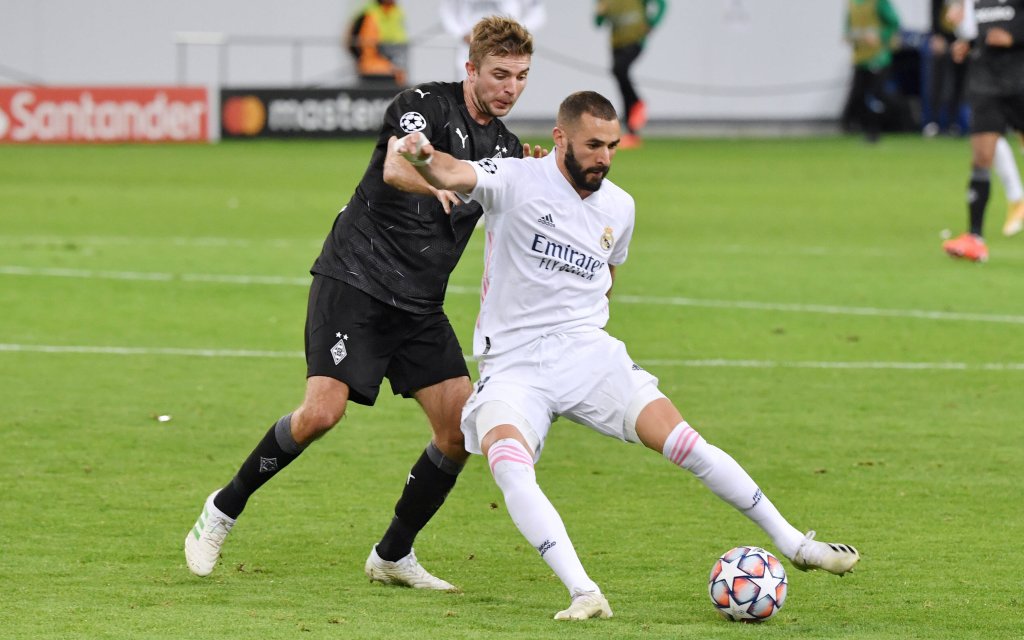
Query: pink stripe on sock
x=508, y=452
x=677, y=447
x=509, y=448
x=691, y=439
x=501, y=457
x=505, y=454
x=680, y=443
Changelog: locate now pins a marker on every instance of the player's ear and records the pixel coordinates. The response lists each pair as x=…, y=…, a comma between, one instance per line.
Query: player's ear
x=558, y=135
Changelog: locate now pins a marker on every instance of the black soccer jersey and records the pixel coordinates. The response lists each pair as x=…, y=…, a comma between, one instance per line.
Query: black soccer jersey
x=401, y=247
x=998, y=71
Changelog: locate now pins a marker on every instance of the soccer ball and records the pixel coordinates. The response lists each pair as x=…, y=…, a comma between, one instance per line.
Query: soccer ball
x=748, y=584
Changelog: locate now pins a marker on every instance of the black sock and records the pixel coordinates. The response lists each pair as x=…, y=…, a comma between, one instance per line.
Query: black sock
x=273, y=453
x=977, y=198
x=426, y=488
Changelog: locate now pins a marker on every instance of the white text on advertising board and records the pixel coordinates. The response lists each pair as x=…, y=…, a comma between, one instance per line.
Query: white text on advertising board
x=80, y=117
x=339, y=114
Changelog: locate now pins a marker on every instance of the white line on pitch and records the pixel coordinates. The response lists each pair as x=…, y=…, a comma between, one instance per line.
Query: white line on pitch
x=708, y=363
x=147, y=276
x=216, y=242
x=178, y=241
x=753, y=305
x=149, y=351
x=796, y=364
x=821, y=308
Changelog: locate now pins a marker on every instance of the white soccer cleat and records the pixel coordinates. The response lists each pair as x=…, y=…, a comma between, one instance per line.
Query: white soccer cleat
x=585, y=605
x=830, y=556
x=405, y=572
x=203, y=542
x=1014, y=219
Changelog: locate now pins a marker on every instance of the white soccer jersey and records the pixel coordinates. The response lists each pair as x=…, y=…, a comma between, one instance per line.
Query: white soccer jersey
x=547, y=253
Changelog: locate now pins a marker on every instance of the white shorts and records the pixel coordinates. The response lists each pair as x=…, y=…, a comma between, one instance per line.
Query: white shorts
x=586, y=377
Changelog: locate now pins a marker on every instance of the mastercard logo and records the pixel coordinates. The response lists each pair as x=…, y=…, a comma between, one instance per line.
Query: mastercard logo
x=244, y=116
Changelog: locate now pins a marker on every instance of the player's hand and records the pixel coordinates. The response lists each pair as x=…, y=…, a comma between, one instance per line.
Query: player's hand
x=998, y=37
x=414, y=147
x=871, y=39
x=959, y=50
x=534, y=152
x=448, y=199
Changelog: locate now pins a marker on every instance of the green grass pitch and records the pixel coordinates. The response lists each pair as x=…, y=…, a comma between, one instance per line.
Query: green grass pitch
x=791, y=295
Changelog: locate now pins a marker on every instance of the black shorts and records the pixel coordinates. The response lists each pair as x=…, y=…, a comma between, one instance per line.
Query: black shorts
x=994, y=114
x=357, y=339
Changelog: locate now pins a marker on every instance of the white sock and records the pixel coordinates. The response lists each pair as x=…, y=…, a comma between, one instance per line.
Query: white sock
x=534, y=515
x=727, y=480
x=1006, y=168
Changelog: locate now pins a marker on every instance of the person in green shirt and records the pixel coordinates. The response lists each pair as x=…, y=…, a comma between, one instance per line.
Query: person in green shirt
x=631, y=21
x=872, y=28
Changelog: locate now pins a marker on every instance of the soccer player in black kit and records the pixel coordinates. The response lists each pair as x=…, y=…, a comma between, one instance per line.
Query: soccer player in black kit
x=375, y=305
x=995, y=87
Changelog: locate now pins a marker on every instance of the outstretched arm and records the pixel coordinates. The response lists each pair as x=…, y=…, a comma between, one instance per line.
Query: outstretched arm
x=401, y=175
x=438, y=168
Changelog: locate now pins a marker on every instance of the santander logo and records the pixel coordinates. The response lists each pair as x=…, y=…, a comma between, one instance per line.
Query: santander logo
x=103, y=114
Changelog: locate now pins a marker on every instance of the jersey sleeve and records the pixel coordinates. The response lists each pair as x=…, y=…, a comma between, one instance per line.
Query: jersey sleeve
x=621, y=248
x=495, y=178
x=890, y=20
x=416, y=110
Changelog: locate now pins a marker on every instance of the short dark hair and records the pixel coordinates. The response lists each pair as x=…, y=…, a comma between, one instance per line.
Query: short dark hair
x=498, y=36
x=582, y=102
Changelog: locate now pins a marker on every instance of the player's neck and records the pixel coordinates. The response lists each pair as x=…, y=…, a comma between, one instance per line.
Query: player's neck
x=479, y=116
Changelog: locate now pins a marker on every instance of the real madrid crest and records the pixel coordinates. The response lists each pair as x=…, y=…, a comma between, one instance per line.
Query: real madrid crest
x=607, y=239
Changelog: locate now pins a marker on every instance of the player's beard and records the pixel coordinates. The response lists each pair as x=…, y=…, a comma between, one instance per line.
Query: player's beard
x=588, y=180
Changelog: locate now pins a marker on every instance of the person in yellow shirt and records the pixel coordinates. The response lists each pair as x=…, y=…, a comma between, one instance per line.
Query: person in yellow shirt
x=379, y=43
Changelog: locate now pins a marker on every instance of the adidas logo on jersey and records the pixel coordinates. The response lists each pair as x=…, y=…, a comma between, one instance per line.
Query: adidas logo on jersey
x=547, y=221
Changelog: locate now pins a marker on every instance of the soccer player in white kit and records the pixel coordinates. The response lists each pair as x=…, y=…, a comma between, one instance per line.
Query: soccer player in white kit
x=555, y=231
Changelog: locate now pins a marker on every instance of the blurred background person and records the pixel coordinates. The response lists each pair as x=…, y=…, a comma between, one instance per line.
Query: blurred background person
x=945, y=75
x=459, y=16
x=872, y=28
x=631, y=21
x=379, y=44
x=995, y=89
x=961, y=16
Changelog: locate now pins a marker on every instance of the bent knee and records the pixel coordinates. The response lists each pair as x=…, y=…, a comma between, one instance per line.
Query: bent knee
x=451, y=442
x=315, y=420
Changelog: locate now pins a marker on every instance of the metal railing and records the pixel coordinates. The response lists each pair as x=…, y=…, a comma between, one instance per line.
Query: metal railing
x=222, y=42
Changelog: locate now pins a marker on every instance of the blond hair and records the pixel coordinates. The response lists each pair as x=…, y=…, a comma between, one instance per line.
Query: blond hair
x=498, y=36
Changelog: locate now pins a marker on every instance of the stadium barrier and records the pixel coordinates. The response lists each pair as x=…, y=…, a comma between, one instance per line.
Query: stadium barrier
x=252, y=113
x=30, y=115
